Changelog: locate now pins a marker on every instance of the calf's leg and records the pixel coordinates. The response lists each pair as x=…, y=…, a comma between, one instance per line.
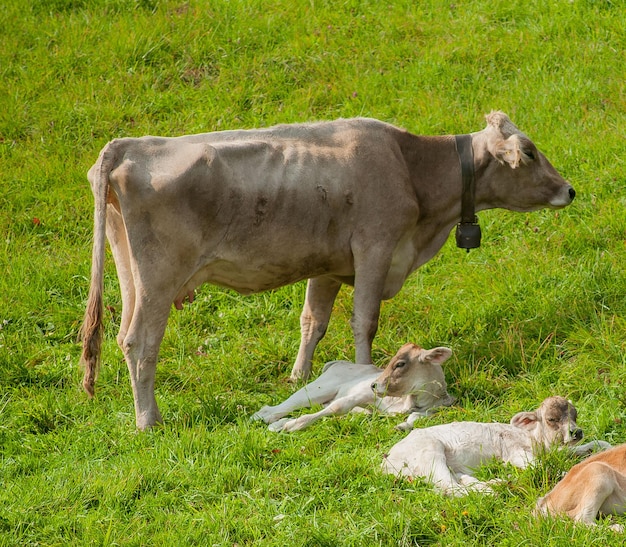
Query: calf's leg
x=426, y=458
x=603, y=492
x=320, y=391
x=340, y=406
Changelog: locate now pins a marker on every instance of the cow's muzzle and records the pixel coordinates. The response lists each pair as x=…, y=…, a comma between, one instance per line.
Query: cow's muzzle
x=572, y=193
x=577, y=434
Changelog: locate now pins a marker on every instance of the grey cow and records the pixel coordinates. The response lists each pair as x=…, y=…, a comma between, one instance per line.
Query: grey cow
x=354, y=201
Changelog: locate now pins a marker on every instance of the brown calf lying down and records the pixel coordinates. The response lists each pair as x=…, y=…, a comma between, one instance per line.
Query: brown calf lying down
x=595, y=486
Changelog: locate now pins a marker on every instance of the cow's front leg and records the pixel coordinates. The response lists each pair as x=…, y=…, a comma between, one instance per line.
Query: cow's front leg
x=318, y=305
x=368, y=293
x=364, y=323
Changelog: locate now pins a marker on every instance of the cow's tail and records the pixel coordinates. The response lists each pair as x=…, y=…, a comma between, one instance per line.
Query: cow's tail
x=92, y=330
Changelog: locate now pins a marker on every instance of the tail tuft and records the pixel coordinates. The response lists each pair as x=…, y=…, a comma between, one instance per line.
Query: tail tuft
x=91, y=335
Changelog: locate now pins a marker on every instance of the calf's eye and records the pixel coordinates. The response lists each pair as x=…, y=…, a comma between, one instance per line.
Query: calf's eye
x=399, y=364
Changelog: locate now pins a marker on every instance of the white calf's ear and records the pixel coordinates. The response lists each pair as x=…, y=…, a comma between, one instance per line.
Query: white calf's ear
x=507, y=151
x=438, y=355
x=525, y=420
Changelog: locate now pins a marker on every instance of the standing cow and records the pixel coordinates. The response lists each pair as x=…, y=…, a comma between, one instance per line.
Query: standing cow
x=354, y=201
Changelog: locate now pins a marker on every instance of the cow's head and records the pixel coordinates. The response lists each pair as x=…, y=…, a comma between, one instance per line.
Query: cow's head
x=553, y=423
x=416, y=371
x=512, y=173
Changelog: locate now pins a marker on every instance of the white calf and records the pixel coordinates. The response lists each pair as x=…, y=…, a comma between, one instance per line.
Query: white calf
x=413, y=382
x=447, y=454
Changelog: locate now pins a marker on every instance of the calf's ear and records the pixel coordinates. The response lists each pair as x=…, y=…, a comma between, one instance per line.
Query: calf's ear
x=437, y=355
x=507, y=150
x=525, y=420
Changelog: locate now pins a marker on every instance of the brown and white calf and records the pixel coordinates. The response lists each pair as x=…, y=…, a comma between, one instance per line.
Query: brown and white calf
x=596, y=486
x=357, y=202
x=412, y=383
x=446, y=455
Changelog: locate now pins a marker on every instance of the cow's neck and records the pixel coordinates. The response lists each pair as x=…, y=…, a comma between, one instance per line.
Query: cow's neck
x=435, y=172
x=468, y=230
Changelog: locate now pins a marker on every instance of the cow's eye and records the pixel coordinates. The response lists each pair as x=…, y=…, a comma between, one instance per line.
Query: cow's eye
x=530, y=154
x=400, y=364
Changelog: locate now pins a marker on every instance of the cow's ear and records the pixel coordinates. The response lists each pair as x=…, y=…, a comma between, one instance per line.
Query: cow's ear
x=502, y=124
x=437, y=355
x=507, y=150
x=525, y=420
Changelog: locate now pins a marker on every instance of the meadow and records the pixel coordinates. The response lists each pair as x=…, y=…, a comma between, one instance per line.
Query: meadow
x=539, y=309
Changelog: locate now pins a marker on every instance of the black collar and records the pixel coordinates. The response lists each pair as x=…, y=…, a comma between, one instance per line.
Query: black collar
x=468, y=230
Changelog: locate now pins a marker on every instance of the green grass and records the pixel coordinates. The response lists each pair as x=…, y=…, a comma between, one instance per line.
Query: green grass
x=539, y=309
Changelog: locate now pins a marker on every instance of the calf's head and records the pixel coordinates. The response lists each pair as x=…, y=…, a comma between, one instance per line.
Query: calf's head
x=417, y=372
x=553, y=423
x=512, y=173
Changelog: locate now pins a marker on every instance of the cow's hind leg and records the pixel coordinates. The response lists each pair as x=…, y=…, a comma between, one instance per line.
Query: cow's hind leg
x=116, y=234
x=318, y=305
x=141, y=349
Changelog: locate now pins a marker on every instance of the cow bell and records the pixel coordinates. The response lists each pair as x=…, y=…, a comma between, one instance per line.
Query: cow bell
x=467, y=235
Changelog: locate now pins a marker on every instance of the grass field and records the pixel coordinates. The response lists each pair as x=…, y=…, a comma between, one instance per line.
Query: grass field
x=539, y=309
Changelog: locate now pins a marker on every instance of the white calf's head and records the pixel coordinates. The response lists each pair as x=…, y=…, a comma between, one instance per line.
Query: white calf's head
x=553, y=423
x=416, y=371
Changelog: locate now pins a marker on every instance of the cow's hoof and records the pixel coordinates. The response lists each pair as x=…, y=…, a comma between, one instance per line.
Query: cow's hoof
x=278, y=425
x=263, y=414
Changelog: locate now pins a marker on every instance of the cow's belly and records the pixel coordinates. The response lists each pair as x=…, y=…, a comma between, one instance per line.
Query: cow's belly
x=260, y=267
x=252, y=276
